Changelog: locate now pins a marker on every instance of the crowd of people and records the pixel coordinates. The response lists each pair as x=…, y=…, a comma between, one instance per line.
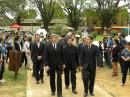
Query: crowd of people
x=63, y=55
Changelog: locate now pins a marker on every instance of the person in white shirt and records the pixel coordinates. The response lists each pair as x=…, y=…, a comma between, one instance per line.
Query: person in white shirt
x=26, y=49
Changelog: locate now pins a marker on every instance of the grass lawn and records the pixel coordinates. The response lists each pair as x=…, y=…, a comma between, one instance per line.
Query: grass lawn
x=14, y=87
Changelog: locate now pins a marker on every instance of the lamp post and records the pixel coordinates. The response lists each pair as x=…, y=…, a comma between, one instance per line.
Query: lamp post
x=128, y=15
x=32, y=26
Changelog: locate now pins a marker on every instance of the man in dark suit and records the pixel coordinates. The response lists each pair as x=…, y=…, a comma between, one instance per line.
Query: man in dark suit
x=54, y=63
x=82, y=43
x=70, y=56
x=38, y=50
x=89, y=54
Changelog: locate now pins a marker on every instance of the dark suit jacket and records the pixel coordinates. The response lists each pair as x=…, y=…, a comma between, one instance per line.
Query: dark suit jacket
x=88, y=56
x=70, y=56
x=38, y=52
x=54, y=57
x=80, y=46
x=16, y=46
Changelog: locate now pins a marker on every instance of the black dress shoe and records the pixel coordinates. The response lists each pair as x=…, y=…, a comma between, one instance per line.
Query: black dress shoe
x=60, y=96
x=92, y=94
x=42, y=81
x=33, y=75
x=74, y=91
x=52, y=93
x=67, y=87
x=37, y=82
x=85, y=95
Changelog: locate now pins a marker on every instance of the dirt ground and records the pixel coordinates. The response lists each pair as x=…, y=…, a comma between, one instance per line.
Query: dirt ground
x=43, y=90
x=112, y=84
x=105, y=84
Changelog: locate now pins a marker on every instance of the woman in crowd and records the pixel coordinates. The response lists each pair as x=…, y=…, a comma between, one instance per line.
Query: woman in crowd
x=109, y=52
x=115, y=57
x=105, y=50
x=2, y=64
x=24, y=50
x=17, y=44
x=8, y=45
x=101, y=55
x=27, y=50
x=126, y=64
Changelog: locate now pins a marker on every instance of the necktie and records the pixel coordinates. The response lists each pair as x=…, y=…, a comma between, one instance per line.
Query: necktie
x=38, y=44
x=55, y=45
x=89, y=46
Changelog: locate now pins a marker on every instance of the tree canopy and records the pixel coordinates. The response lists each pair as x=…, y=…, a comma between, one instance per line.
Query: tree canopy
x=74, y=9
x=46, y=9
x=107, y=11
x=16, y=8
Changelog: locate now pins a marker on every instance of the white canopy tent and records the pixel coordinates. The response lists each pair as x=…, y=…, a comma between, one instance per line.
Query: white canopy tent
x=42, y=32
x=127, y=38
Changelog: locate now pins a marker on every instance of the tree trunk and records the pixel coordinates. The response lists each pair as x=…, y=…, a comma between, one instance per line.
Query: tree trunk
x=46, y=25
x=18, y=20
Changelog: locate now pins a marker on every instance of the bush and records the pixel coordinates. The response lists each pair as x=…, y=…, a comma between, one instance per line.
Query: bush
x=58, y=29
x=114, y=33
x=94, y=34
x=78, y=32
x=125, y=32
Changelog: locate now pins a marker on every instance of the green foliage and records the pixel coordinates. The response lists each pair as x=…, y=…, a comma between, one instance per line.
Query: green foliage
x=94, y=34
x=46, y=9
x=125, y=31
x=91, y=16
x=73, y=8
x=114, y=33
x=59, y=29
x=107, y=11
x=14, y=86
x=78, y=32
x=16, y=8
x=99, y=38
x=122, y=16
x=59, y=13
x=30, y=14
x=5, y=21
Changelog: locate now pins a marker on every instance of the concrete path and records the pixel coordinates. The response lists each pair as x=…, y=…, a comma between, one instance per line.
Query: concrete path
x=43, y=90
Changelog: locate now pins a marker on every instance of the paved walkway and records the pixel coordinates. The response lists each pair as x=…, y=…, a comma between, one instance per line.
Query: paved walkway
x=43, y=90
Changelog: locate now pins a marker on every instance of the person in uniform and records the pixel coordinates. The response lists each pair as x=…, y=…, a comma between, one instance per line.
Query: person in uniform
x=89, y=54
x=54, y=63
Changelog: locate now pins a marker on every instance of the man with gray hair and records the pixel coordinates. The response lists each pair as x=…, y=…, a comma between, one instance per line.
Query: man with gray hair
x=54, y=63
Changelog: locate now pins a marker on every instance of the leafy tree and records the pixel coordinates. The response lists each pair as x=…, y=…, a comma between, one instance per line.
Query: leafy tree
x=4, y=20
x=2, y=7
x=16, y=8
x=107, y=11
x=91, y=17
x=30, y=14
x=59, y=13
x=46, y=9
x=122, y=17
x=74, y=9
